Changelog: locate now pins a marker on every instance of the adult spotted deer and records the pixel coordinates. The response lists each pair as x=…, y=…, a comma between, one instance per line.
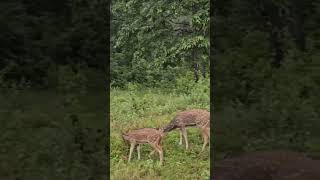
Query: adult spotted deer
x=150, y=136
x=195, y=117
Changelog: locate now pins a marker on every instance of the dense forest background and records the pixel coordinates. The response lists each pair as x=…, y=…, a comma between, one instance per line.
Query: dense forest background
x=53, y=62
x=41, y=35
x=154, y=43
x=159, y=65
x=265, y=56
x=266, y=78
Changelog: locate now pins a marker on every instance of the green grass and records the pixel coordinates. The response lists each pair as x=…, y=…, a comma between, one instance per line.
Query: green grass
x=37, y=137
x=132, y=109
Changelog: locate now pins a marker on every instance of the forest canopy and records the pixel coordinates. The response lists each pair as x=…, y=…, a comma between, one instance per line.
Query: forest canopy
x=40, y=36
x=155, y=42
x=266, y=74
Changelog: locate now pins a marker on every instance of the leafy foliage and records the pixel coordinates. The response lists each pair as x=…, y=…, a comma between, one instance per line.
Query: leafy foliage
x=153, y=41
x=52, y=63
x=266, y=75
x=43, y=34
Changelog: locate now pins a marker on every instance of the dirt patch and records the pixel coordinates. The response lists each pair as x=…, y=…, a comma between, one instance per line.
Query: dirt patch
x=268, y=165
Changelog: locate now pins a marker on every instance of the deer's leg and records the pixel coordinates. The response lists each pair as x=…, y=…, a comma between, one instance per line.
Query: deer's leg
x=152, y=152
x=160, y=151
x=131, y=150
x=207, y=130
x=158, y=148
x=180, y=142
x=161, y=154
x=205, y=140
x=206, y=137
x=184, y=133
x=138, y=149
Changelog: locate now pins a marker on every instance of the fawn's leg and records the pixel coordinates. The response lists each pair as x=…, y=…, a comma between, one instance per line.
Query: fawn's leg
x=158, y=148
x=160, y=151
x=184, y=133
x=180, y=142
x=138, y=149
x=152, y=152
x=131, y=150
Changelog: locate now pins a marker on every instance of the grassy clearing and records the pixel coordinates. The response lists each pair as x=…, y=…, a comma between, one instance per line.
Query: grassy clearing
x=136, y=108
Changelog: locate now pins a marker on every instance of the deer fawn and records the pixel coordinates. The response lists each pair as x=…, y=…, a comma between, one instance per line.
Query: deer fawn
x=145, y=136
x=195, y=117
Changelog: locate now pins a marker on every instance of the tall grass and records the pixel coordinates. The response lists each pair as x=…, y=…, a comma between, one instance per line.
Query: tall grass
x=137, y=107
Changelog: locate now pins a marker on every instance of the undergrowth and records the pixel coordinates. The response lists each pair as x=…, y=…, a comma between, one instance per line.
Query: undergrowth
x=137, y=107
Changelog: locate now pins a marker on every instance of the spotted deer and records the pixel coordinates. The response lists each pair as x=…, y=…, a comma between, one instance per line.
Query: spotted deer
x=150, y=136
x=196, y=117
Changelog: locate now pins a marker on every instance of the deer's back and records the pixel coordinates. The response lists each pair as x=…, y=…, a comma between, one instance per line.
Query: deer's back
x=194, y=117
x=144, y=135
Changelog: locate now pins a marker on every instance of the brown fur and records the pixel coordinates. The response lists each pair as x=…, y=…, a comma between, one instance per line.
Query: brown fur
x=195, y=117
x=145, y=136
